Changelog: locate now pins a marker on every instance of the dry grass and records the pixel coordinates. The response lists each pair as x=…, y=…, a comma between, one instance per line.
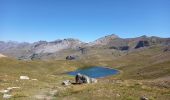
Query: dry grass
x=140, y=73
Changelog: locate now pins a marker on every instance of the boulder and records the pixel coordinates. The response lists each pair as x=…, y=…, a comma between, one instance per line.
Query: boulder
x=86, y=79
x=73, y=57
x=80, y=78
x=70, y=58
x=24, y=78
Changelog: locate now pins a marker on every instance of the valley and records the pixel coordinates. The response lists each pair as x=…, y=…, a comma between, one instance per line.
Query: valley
x=144, y=70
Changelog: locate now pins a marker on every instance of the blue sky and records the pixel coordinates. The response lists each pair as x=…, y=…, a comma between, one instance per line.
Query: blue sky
x=87, y=20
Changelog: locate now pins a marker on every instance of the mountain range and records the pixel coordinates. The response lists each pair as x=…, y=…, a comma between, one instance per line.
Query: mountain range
x=58, y=49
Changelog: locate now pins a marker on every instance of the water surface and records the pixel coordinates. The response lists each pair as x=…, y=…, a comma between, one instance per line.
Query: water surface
x=95, y=72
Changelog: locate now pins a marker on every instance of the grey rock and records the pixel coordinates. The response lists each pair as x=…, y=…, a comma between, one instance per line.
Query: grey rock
x=80, y=78
x=66, y=82
x=71, y=57
x=34, y=79
x=118, y=95
x=24, y=78
x=24, y=50
x=144, y=98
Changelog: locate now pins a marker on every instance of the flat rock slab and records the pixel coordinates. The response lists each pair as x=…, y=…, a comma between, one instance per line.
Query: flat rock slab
x=4, y=91
x=7, y=96
x=24, y=78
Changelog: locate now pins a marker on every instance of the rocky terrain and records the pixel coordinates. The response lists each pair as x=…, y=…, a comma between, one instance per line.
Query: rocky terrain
x=144, y=73
x=29, y=51
x=104, y=40
x=59, y=49
x=35, y=71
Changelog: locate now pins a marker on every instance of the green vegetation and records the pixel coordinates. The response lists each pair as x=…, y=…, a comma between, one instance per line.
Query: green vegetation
x=142, y=73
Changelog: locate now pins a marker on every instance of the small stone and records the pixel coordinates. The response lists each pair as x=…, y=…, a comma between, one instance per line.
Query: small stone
x=118, y=95
x=66, y=82
x=10, y=88
x=24, y=78
x=4, y=91
x=144, y=98
x=7, y=96
x=16, y=87
x=34, y=79
x=140, y=83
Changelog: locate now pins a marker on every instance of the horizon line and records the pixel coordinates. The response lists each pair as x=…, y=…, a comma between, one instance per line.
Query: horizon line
x=80, y=39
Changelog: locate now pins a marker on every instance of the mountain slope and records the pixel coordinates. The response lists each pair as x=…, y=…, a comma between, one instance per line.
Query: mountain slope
x=115, y=42
x=142, y=73
x=54, y=46
x=25, y=50
x=59, y=49
x=104, y=40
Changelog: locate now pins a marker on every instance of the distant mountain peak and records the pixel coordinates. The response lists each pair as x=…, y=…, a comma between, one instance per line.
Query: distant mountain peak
x=104, y=40
x=42, y=49
x=71, y=39
x=143, y=36
x=57, y=45
x=112, y=36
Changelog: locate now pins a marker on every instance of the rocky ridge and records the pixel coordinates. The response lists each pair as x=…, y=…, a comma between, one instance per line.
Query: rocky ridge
x=42, y=49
